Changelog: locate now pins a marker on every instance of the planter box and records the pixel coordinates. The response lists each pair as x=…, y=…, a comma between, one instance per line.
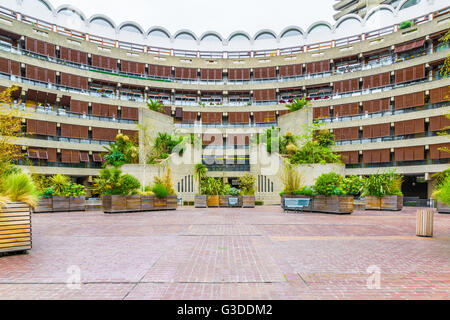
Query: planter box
x=333, y=204
x=213, y=201
x=15, y=228
x=297, y=197
x=387, y=203
x=172, y=202
x=443, y=208
x=44, y=205
x=77, y=204
x=223, y=201
x=114, y=204
x=160, y=203
x=248, y=201
x=148, y=203
x=61, y=204
x=392, y=203
x=133, y=203
x=200, y=201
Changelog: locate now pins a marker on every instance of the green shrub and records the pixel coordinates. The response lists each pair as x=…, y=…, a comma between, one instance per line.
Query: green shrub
x=75, y=190
x=47, y=193
x=443, y=193
x=298, y=104
x=384, y=184
x=353, y=185
x=19, y=187
x=247, y=184
x=405, y=24
x=111, y=181
x=330, y=184
x=160, y=191
x=60, y=183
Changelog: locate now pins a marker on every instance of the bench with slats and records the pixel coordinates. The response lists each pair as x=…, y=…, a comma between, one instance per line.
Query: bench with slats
x=297, y=204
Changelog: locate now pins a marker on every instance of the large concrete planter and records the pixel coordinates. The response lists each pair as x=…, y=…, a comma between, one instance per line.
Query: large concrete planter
x=77, y=204
x=213, y=201
x=61, y=204
x=333, y=204
x=15, y=228
x=443, y=208
x=200, y=202
x=248, y=201
x=44, y=205
x=387, y=203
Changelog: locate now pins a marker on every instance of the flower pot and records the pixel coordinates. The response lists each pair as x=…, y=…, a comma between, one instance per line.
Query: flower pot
x=443, y=208
x=333, y=204
x=77, y=204
x=61, y=204
x=148, y=203
x=114, y=204
x=15, y=227
x=200, y=201
x=248, y=201
x=392, y=203
x=213, y=201
x=44, y=205
x=223, y=201
x=373, y=203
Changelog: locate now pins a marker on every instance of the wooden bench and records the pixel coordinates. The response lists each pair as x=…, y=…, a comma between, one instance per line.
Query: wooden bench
x=297, y=204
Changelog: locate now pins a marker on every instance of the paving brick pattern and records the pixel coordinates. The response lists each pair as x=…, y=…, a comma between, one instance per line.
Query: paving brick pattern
x=230, y=254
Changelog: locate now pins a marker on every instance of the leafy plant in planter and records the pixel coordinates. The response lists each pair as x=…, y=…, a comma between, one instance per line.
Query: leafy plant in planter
x=111, y=181
x=166, y=180
x=200, y=172
x=353, y=185
x=75, y=190
x=330, y=184
x=164, y=145
x=332, y=195
x=405, y=24
x=59, y=183
x=160, y=191
x=383, y=191
x=298, y=104
x=290, y=178
x=18, y=187
x=442, y=193
x=123, y=151
x=247, y=184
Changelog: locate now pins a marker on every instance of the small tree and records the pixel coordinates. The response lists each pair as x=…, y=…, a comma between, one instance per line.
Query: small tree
x=10, y=129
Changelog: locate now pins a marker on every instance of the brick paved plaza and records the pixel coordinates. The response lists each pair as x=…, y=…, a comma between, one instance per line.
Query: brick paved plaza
x=230, y=254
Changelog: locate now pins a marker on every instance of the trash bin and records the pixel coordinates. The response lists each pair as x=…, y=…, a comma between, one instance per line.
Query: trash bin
x=424, y=222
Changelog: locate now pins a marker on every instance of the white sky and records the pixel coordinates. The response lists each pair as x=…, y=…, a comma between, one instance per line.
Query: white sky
x=225, y=16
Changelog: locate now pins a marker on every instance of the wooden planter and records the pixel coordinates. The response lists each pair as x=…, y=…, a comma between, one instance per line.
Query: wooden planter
x=443, y=208
x=248, y=201
x=200, y=201
x=15, y=228
x=223, y=201
x=213, y=201
x=333, y=204
x=392, y=203
x=171, y=202
x=148, y=203
x=387, y=203
x=44, y=205
x=61, y=204
x=133, y=203
x=114, y=204
x=160, y=203
x=77, y=204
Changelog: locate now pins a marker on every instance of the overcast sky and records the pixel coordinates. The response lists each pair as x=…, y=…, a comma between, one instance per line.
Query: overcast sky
x=223, y=16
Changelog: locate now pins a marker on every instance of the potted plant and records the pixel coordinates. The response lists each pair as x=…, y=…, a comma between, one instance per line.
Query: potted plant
x=332, y=196
x=442, y=193
x=114, y=188
x=45, y=202
x=291, y=180
x=228, y=193
x=17, y=195
x=77, y=197
x=147, y=199
x=170, y=200
x=212, y=187
x=200, y=172
x=161, y=194
x=247, y=186
x=60, y=201
x=383, y=191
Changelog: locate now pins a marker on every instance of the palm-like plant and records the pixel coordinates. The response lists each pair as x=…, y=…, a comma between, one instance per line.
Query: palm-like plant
x=19, y=187
x=59, y=183
x=298, y=104
x=200, y=172
x=154, y=105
